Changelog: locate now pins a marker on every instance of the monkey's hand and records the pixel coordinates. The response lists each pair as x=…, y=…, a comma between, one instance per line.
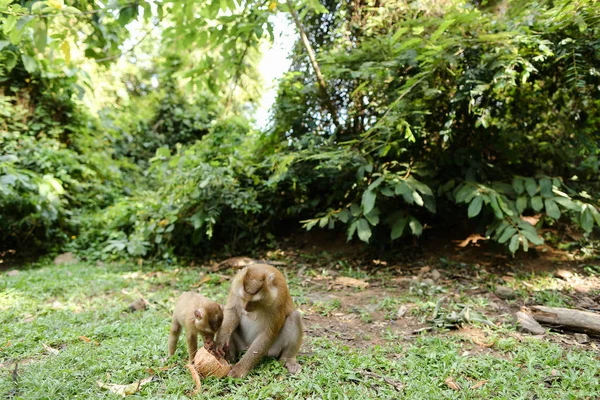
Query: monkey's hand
x=237, y=372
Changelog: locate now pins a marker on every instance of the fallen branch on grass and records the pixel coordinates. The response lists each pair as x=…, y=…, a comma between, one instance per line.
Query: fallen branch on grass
x=575, y=320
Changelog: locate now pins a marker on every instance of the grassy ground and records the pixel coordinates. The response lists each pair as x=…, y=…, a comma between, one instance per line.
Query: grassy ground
x=64, y=328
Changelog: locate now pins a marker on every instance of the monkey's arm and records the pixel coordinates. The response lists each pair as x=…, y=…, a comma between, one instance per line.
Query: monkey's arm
x=231, y=320
x=257, y=350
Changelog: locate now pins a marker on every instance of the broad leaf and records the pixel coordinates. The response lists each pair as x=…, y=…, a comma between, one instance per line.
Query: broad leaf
x=536, y=203
x=398, y=228
x=368, y=201
x=531, y=186
x=513, y=246
x=552, y=209
x=364, y=231
x=475, y=207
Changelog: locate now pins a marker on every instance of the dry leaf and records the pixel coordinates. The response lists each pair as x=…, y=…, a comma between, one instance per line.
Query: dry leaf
x=195, y=377
x=13, y=272
x=350, y=282
x=207, y=278
x=474, y=238
x=125, y=390
x=138, y=305
x=452, y=384
x=479, y=384
x=50, y=350
x=508, y=279
x=401, y=312
x=85, y=339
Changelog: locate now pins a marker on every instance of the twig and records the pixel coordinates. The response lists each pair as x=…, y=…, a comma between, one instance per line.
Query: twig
x=99, y=60
x=399, y=386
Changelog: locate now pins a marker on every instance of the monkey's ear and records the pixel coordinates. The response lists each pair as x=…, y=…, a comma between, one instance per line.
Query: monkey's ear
x=198, y=314
x=270, y=278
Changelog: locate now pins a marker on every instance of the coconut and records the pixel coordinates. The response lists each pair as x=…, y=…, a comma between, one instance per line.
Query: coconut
x=208, y=365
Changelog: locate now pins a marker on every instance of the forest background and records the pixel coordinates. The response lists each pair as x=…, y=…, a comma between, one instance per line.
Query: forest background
x=429, y=115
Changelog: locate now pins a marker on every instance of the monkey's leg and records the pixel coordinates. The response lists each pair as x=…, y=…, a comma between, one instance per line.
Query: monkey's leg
x=288, y=342
x=174, y=336
x=257, y=350
x=192, y=344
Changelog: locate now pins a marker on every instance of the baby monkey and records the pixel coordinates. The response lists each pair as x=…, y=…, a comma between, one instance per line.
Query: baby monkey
x=198, y=315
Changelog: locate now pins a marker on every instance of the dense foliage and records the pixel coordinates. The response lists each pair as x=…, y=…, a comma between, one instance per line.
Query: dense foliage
x=453, y=112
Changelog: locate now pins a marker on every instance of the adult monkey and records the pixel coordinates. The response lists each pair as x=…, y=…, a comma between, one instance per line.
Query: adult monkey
x=259, y=317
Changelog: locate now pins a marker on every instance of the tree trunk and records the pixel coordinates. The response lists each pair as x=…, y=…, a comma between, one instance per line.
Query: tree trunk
x=313, y=61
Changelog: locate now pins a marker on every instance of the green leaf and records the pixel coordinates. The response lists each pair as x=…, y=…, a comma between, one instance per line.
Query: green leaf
x=343, y=216
x=415, y=226
x=587, y=219
x=421, y=187
x=376, y=183
x=387, y=191
x=40, y=36
x=11, y=60
x=417, y=197
x=29, y=63
x=475, y=206
x=373, y=217
x=398, y=228
x=521, y=204
x=536, y=203
x=518, y=185
x=546, y=188
x=567, y=203
x=402, y=188
x=364, y=231
x=368, y=201
x=351, y=230
x=465, y=192
x=442, y=28
x=323, y=221
x=508, y=233
x=531, y=186
x=533, y=238
x=513, y=246
x=3, y=44
x=507, y=210
x=496, y=207
x=552, y=209
x=595, y=214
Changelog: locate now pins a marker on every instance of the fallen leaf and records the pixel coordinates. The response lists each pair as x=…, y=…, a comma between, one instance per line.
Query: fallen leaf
x=13, y=272
x=138, y=305
x=28, y=318
x=125, y=390
x=479, y=384
x=452, y=384
x=207, y=278
x=474, y=238
x=50, y=350
x=85, y=339
x=401, y=312
x=350, y=282
x=508, y=279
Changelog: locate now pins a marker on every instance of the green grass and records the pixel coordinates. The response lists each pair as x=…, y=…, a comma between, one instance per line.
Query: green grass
x=56, y=306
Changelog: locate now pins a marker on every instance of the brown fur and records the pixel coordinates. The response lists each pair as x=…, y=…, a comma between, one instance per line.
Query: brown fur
x=199, y=315
x=260, y=317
